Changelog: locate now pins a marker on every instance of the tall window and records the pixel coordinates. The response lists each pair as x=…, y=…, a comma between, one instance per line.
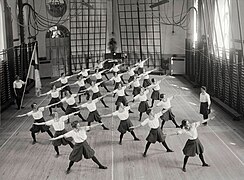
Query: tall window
x=140, y=31
x=195, y=24
x=222, y=26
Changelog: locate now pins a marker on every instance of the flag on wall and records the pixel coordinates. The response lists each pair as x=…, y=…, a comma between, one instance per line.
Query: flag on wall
x=34, y=71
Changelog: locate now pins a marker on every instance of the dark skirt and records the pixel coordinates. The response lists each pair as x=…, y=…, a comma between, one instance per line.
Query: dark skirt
x=94, y=116
x=155, y=95
x=131, y=78
x=121, y=99
x=168, y=115
x=96, y=95
x=66, y=88
x=117, y=85
x=62, y=141
x=136, y=90
x=79, y=150
x=55, y=100
x=146, y=83
x=88, y=81
x=193, y=147
x=140, y=71
x=82, y=88
x=100, y=80
x=19, y=91
x=70, y=109
x=100, y=69
x=204, y=108
x=155, y=135
x=125, y=126
x=37, y=128
x=143, y=106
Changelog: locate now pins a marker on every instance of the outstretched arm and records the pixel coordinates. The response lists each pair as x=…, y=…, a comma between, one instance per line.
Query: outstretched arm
x=104, y=95
x=99, y=83
x=22, y=115
x=44, y=94
x=134, y=127
x=103, y=71
x=94, y=125
x=48, y=106
x=91, y=126
x=59, y=137
x=106, y=115
x=145, y=60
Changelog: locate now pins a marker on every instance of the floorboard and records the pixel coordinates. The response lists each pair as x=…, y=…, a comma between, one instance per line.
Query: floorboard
x=223, y=140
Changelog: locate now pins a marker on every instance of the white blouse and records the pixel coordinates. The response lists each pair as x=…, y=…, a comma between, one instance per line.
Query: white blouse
x=100, y=65
x=18, y=84
x=79, y=136
x=54, y=94
x=70, y=100
x=157, y=87
x=98, y=75
x=85, y=72
x=64, y=80
x=136, y=83
x=38, y=114
x=116, y=68
x=192, y=133
x=122, y=115
x=146, y=76
x=90, y=106
x=117, y=79
x=166, y=104
x=141, y=64
x=80, y=83
x=205, y=98
x=152, y=123
x=131, y=72
x=95, y=88
x=142, y=97
x=58, y=125
x=120, y=92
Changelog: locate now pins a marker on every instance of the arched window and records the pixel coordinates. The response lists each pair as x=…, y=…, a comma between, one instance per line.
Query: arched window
x=222, y=26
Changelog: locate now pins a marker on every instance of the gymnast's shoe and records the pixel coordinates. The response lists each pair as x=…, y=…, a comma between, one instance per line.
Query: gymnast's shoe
x=67, y=171
x=205, y=165
x=105, y=128
x=136, y=139
x=103, y=167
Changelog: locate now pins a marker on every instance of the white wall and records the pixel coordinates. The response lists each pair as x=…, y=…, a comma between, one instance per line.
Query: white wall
x=235, y=23
x=2, y=29
x=172, y=43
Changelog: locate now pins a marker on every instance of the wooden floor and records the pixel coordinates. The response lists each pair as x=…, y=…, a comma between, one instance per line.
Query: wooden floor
x=222, y=139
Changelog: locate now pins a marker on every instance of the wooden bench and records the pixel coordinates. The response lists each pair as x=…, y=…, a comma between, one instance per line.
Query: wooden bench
x=236, y=116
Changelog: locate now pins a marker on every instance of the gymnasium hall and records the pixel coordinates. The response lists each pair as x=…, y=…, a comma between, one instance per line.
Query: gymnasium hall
x=121, y=89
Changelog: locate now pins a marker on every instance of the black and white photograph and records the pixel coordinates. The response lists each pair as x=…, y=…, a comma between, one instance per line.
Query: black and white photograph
x=122, y=89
